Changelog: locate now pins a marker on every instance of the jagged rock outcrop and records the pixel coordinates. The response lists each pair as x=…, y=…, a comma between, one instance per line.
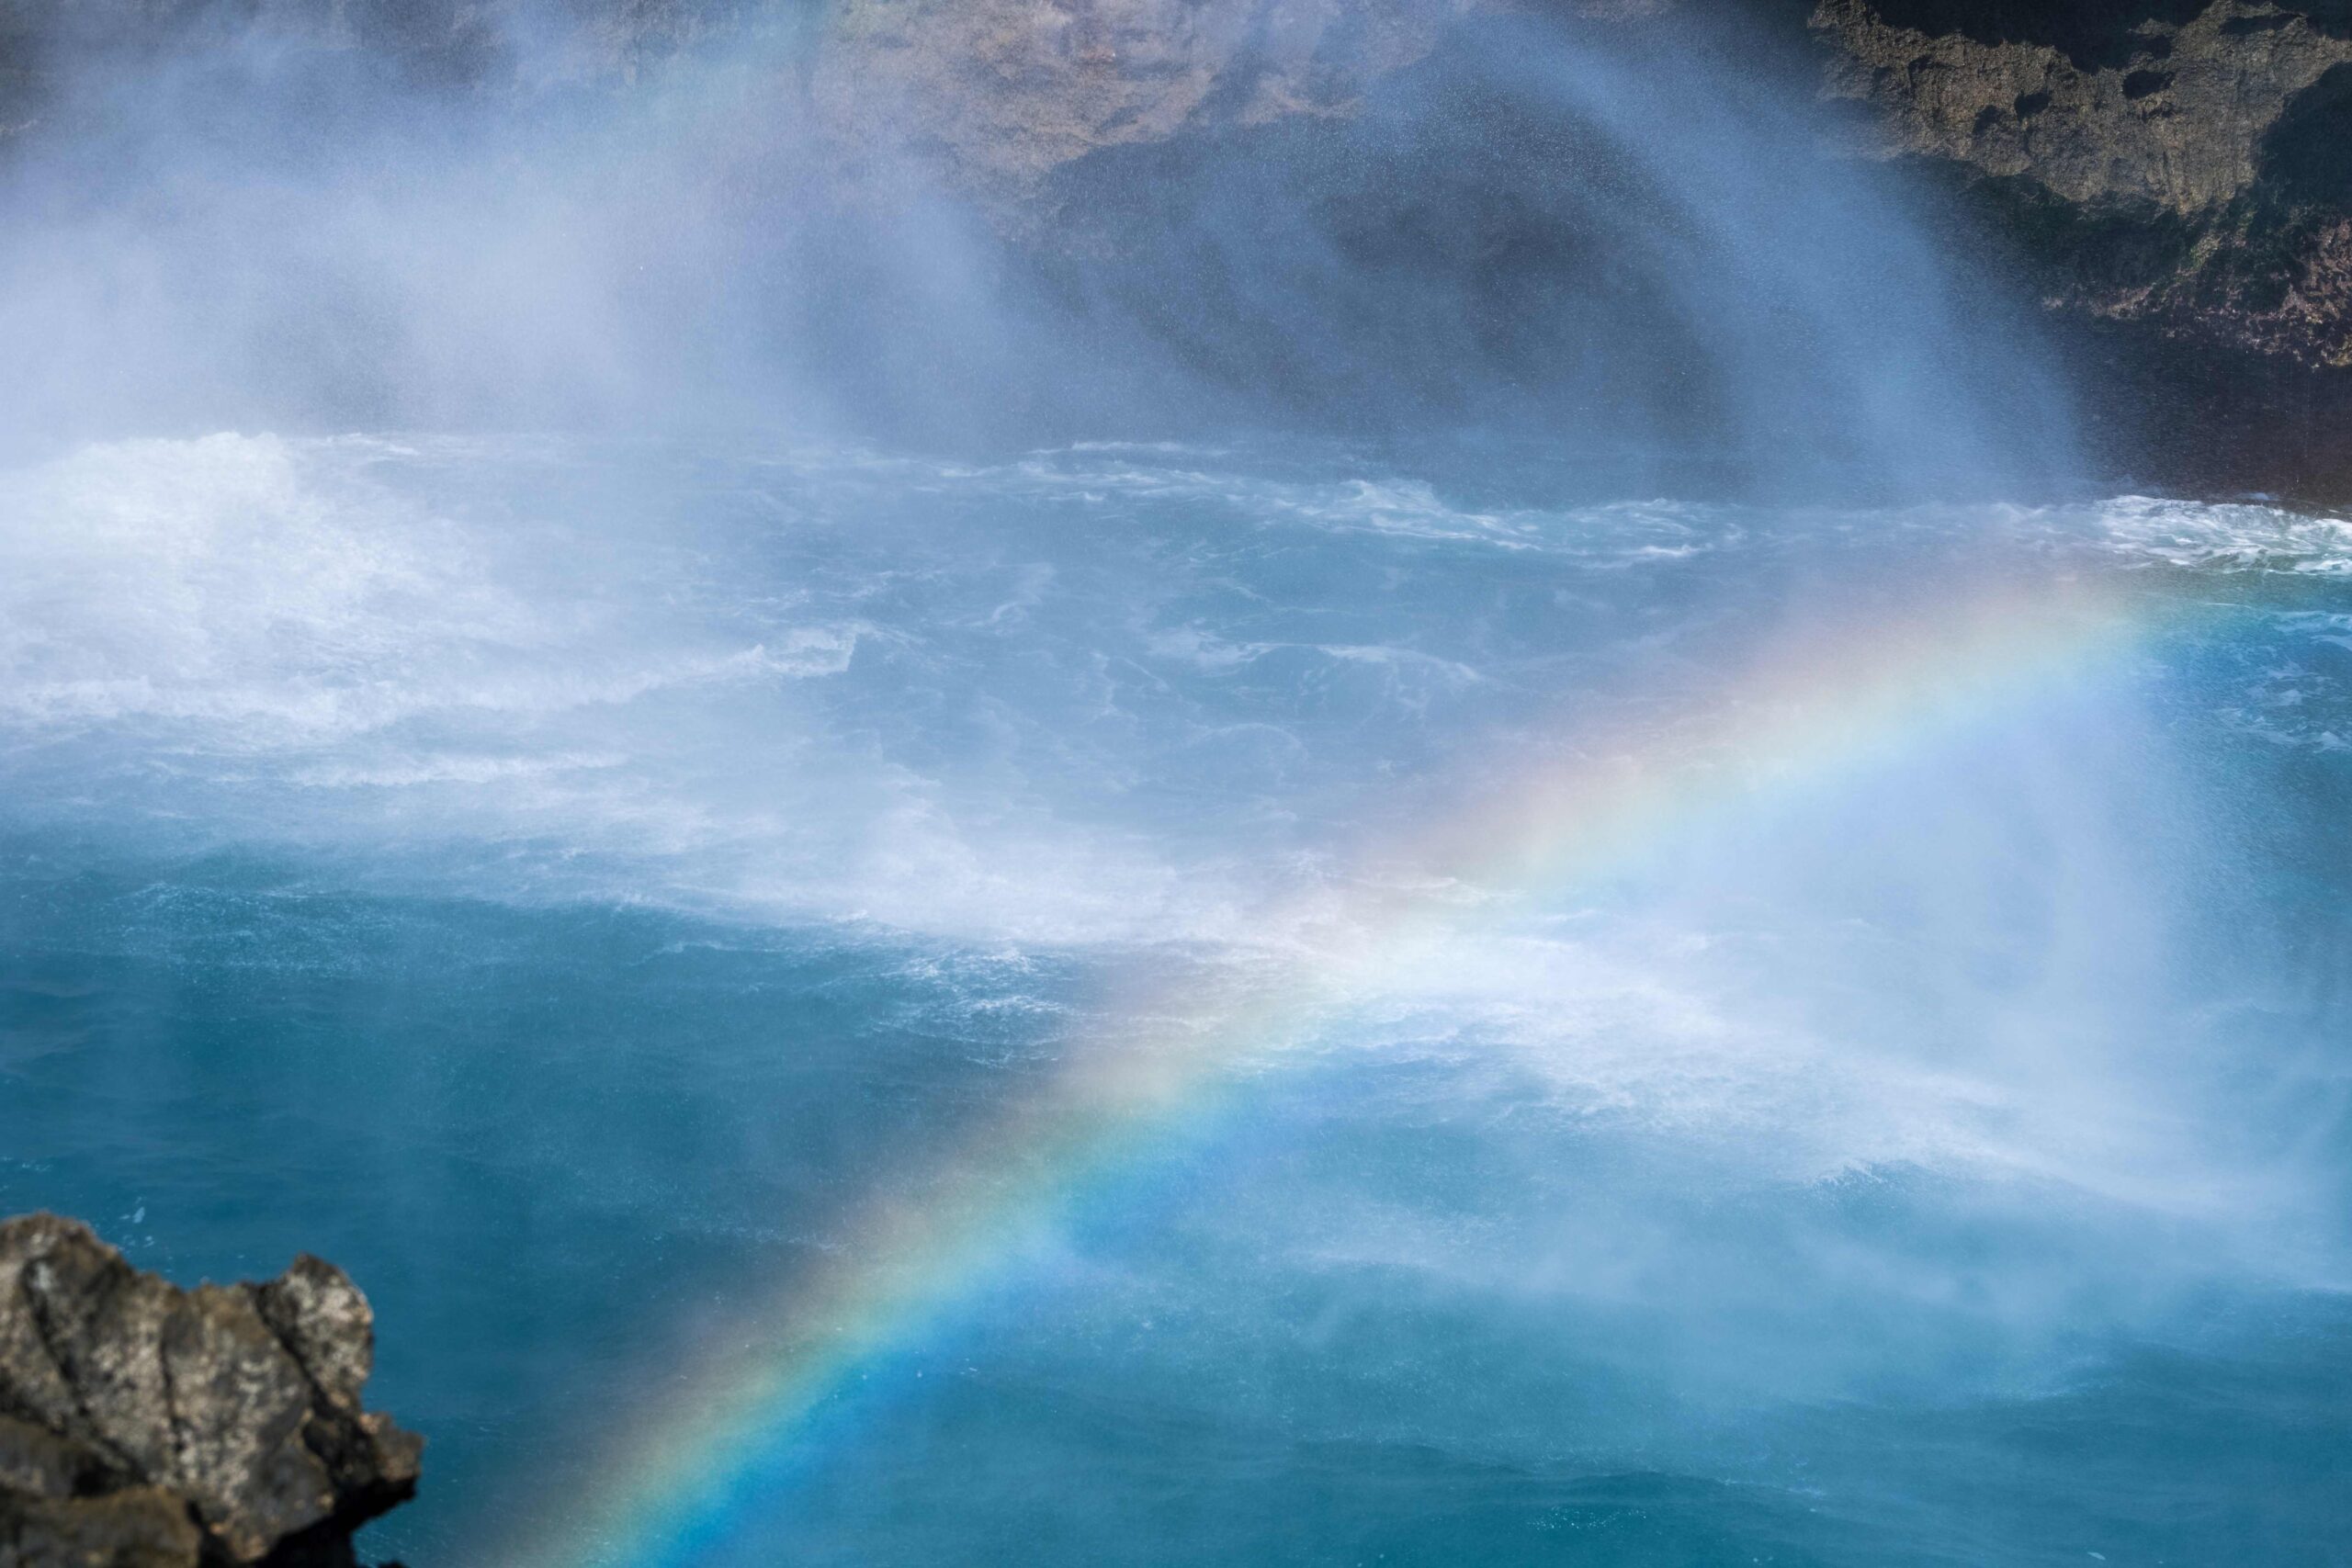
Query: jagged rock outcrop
x=144, y=1426
x=2176, y=176
x=2181, y=165
x=2172, y=178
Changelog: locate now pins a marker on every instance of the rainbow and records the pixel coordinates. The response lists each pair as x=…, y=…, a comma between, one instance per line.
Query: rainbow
x=1809, y=710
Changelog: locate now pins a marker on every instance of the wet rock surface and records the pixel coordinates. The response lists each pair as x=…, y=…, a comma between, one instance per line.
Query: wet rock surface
x=141, y=1424
x=2176, y=177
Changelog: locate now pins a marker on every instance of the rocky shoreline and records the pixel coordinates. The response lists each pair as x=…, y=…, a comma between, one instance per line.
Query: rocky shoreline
x=144, y=1426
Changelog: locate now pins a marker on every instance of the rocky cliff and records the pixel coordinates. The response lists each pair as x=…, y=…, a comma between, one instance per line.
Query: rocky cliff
x=2176, y=174
x=2173, y=164
x=143, y=1425
x=2171, y=178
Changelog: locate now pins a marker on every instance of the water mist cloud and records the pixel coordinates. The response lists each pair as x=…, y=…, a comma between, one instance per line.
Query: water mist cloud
x=1553, y=234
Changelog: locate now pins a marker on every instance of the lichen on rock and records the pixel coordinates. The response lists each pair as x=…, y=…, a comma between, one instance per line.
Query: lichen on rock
x=141, y=1424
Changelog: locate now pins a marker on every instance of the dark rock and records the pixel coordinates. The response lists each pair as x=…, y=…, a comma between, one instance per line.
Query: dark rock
x=145, y=1425
x=2172, y=174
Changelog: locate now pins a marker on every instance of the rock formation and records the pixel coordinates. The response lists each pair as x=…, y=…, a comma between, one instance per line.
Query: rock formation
x=2186, y=168
x=2177, y=175
x=143, y=1425
x=998, y=91
x=1012, y=91
x=2172, y=178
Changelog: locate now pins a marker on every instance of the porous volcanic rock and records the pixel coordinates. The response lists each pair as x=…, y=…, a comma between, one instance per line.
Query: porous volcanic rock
x=144, y=1426
x=2176, y=174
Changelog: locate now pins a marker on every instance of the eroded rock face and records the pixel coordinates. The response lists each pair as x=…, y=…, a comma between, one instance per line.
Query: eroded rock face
x=141, y=1424
x=2176, y=175
x=1009, y=89
x=2175, y=114
x=2175, y=162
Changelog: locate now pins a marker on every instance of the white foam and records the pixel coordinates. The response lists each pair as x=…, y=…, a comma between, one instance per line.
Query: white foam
x=1058, y=701
x=271, y=594
x=2245, y=537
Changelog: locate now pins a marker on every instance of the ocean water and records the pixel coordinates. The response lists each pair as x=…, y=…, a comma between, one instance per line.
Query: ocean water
x=578, y=887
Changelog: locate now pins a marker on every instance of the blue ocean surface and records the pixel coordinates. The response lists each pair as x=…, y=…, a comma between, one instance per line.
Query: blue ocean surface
x=569, y=883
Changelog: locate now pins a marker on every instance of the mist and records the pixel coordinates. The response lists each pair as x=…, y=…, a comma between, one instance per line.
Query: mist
x=623, y=646
x=1635, y=253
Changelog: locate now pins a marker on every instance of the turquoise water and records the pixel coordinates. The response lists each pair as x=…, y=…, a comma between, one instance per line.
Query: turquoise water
x=563, y=883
